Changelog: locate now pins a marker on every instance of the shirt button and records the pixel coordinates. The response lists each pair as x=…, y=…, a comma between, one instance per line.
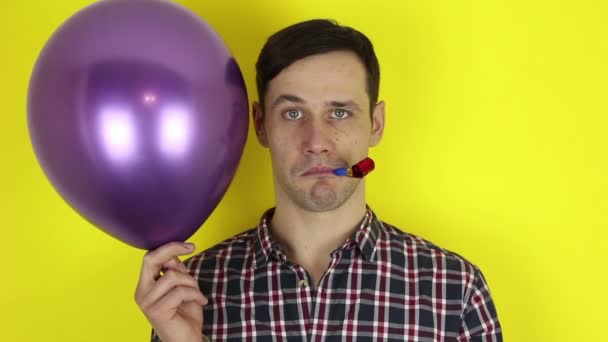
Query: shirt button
x=303, y=283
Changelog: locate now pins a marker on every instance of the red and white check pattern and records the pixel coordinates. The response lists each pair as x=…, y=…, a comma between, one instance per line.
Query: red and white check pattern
x=381, y=285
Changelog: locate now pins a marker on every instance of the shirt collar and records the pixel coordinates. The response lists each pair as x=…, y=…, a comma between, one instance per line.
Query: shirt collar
x=264, y=245
x=365, y=238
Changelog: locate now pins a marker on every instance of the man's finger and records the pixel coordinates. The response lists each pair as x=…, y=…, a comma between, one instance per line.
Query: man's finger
x=176, y=265
x=166, y=307
x=153, y=262
x=165, y=284
x=193, y=309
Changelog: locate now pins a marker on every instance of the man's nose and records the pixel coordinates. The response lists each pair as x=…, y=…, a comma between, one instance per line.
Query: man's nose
x=317, y=137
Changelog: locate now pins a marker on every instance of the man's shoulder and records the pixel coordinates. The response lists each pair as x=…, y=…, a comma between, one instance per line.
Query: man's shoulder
x=235, y=248
x=425, y=253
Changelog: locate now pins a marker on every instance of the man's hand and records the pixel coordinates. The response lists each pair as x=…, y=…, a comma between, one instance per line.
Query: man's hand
x=172, y=301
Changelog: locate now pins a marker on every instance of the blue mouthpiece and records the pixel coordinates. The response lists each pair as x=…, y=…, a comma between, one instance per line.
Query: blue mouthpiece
x=341, y=171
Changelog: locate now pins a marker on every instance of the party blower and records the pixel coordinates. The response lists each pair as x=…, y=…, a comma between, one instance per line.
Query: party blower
x=359, y=170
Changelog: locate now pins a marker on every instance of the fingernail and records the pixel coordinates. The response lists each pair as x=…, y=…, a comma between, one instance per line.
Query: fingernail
x=189, y=245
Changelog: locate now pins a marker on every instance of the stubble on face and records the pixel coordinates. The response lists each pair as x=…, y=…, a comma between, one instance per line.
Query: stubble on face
x=326, y=193
x=317, y=85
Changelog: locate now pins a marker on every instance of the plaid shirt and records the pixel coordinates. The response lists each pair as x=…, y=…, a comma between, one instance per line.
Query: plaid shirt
x=381, y=285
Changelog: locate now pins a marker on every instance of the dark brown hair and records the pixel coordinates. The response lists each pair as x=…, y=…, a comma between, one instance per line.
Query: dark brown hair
x=311, y=38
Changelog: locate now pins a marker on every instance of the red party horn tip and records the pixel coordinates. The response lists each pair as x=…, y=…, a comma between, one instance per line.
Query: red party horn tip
x=358, y=170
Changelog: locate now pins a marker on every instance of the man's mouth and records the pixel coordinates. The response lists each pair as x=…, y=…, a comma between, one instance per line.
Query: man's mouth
x=319, y=171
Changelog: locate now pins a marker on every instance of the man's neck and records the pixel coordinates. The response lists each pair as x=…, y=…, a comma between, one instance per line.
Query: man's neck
x=308, y=237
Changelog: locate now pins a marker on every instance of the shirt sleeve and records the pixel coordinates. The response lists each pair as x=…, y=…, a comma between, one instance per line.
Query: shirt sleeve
x=479, y=319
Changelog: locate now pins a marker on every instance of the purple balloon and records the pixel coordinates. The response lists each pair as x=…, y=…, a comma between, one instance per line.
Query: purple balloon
x=138, y=115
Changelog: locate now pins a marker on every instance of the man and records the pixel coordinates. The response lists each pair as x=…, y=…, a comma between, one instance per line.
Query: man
x=320, y=266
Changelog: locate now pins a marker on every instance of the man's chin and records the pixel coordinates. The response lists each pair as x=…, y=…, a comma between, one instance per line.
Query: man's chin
x=324, y=197
x=319, y=194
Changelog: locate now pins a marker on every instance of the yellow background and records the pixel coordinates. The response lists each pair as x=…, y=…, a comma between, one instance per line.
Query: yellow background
x=495, y=148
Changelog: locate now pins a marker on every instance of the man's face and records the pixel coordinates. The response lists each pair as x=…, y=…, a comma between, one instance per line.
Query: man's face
x=316, y=118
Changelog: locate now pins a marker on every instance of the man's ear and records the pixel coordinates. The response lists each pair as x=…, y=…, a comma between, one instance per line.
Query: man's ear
x=377, y=124
x=257, y=113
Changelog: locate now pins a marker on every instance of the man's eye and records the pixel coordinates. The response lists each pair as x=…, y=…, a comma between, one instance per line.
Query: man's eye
x=293, y=114
x=340, y=113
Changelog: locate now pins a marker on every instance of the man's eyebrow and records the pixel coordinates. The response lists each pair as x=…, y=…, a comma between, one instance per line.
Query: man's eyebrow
x=349, y=103
x=286, y=98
